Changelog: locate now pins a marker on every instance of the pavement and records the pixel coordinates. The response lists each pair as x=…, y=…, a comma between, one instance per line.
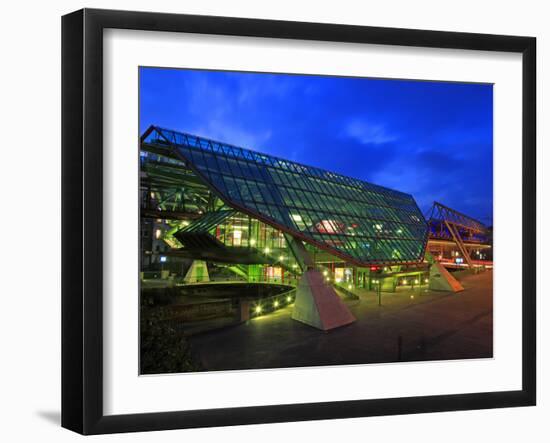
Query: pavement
x=411, y=325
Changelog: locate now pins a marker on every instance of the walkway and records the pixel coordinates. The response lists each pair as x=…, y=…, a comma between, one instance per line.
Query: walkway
x=429, y=325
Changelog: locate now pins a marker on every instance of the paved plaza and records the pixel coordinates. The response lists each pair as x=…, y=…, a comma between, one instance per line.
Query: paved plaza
x=410, y=325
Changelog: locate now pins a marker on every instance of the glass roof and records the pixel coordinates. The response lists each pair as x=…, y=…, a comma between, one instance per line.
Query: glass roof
x=358, y=221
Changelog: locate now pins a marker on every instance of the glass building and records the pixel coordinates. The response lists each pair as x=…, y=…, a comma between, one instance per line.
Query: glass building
x=237, y=198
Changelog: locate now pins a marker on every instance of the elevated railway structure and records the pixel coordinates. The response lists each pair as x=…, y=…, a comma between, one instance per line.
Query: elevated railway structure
x=457, y=240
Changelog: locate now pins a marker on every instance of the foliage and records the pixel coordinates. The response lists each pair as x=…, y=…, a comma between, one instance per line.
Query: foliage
x=163, y=349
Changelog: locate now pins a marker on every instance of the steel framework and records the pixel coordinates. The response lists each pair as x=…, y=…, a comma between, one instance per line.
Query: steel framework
x=448, y=224
x=357, y=221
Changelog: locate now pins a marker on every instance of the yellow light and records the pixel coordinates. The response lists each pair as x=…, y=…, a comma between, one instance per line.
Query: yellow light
x=266, y=250
x=385, y=268
x=289, y=299
x=412, y=296
x=252, y=241
x=158, y=233
x=349, y=286
x=294, y=265
x=237, y=235
x=404, y=282
x=426, y=280
x=325, y=273
x=416, y=282
x=281, y=258
x=276, y=303
x=258, y=309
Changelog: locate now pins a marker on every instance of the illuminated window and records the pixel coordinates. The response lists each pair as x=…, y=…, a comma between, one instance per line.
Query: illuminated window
x=237, y=238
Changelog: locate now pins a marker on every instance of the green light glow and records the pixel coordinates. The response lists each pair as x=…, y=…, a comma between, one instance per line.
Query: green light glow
x=359, y=220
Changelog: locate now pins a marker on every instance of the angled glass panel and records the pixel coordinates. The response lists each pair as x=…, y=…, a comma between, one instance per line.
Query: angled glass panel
x=360, y=220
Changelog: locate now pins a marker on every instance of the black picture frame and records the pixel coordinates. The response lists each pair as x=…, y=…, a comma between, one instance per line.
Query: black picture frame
x=82, y=187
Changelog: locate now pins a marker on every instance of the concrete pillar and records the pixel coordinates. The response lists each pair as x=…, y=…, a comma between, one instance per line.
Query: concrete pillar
x=442, y=280
x=243, y=311
x=197, y=272
x=318, y=305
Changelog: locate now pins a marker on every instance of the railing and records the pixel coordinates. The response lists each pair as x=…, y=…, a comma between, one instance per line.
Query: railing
x=346, y=292
x=266, y=305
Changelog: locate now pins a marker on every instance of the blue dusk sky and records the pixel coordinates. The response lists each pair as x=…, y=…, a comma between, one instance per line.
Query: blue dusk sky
x=433, y=140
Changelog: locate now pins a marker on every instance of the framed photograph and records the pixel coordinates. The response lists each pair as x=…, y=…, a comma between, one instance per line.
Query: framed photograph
x=268, y=221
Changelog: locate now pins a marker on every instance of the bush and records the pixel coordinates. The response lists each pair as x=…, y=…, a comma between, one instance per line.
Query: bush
x=163, y=349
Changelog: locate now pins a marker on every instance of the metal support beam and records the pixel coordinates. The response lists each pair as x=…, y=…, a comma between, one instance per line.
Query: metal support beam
x=300, y=253
x=460, y=244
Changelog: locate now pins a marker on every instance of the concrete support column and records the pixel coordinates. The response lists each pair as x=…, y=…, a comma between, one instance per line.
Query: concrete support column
x=243, y=311
x=317, y=304
x=443, y=280
x=197, y=272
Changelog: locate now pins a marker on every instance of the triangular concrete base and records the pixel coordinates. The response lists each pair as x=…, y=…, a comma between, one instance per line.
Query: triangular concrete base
x=318, y=305
x=197, y=272
x=442, y=280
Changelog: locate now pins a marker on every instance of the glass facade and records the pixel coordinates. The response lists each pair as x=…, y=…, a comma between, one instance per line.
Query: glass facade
x=356, y=220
